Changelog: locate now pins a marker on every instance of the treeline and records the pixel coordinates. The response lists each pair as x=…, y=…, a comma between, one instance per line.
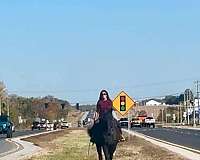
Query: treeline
x=24, y=110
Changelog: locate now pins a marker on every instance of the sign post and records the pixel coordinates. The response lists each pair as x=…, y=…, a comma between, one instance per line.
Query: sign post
x=123, y=103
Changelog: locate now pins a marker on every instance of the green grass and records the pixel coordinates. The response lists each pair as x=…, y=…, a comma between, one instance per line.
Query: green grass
x=73, y=146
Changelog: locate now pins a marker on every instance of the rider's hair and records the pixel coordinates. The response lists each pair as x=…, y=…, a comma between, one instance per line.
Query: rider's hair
x=101, y=95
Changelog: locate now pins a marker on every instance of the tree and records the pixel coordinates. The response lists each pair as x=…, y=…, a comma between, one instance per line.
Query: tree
x=171, y=100
x=181, y=98
x=3, y=97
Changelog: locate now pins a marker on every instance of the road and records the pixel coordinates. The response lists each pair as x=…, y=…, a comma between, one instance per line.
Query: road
x=6, y=146
x=184, y=137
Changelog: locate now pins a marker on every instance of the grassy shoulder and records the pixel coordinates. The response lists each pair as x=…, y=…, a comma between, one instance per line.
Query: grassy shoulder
x=73, y=145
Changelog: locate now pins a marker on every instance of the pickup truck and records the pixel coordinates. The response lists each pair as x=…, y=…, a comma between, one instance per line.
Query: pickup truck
x=149, y=122
x=136, y=123
x=6, y=126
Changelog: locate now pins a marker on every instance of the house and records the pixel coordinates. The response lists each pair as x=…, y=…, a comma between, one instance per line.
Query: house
x=153, y=103
x=196, y=102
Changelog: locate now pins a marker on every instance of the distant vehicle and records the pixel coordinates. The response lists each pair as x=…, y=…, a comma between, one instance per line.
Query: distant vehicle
x=55, y=125
x=123, y=122
x=149, y=122
x=6, y=126
x=49, y=126
x=136, y=122
x=35, y=125
x=64, y=125
x=43, y=125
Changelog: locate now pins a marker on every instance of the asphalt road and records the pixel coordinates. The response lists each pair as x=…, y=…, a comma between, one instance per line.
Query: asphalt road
x=6, y=146
x=184, y=137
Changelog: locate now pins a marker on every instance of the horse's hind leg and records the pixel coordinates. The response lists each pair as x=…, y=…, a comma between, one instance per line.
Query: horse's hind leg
x=99, y=151
x=106, y=153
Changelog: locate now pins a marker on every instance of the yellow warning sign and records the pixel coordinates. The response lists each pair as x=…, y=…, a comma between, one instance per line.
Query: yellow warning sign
x=123, y=103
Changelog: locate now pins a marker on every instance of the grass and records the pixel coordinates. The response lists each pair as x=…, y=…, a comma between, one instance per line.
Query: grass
x=73, y=145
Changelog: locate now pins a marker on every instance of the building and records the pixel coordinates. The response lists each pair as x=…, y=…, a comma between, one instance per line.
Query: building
x=153, y=103
x=196, y=102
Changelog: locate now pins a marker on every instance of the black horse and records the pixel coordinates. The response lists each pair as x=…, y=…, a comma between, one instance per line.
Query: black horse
x=105, y=134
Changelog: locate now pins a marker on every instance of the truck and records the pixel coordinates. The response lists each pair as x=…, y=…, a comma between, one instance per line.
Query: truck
x=136, y=122
x=6, y=126
x=149, y=122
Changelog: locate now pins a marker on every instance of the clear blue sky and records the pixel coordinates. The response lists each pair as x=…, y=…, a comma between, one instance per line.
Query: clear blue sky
x=72, y=49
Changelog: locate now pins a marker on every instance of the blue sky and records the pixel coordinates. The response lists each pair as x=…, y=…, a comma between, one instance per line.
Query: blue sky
x=72, y=49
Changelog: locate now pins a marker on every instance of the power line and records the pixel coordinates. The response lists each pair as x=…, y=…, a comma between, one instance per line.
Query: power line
x=97, y=89
x=137, y=99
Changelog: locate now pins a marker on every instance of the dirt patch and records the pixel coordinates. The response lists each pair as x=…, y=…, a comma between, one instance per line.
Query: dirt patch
x=135, y=148
x=73, y=145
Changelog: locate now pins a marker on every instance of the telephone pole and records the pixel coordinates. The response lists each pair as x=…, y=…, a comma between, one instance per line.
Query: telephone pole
x=197, y=89
x=0, y=105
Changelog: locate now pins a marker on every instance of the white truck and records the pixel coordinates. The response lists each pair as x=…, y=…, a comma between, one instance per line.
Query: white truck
x=149, y=122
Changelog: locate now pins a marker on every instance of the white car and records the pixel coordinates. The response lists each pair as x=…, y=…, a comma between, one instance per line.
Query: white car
x=64, y=124
x=43, y=125
x=49, y=126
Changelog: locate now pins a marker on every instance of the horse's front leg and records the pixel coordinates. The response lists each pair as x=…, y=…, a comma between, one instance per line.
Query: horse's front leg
x=112, y=149
x=99, y=151
x=106, y=152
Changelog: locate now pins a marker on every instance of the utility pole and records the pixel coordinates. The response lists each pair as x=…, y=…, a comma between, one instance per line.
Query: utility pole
x=188, y=117
x=0, y=105
x=194, y=114
x=181, y=115
x=162, y=115
x=8, y=107
x=197, y=89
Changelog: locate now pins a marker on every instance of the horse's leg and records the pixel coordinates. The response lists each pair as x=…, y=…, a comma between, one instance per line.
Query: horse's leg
x=106, y=152
x=112, y=149
x=99, y=151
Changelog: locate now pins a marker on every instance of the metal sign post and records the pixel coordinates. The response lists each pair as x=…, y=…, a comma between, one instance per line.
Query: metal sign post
x=129, y=124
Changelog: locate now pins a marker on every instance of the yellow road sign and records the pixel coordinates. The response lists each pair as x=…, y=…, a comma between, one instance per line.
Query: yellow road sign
x=123, y=103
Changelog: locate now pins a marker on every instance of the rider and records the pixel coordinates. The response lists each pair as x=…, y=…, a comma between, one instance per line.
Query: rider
x=105, y=105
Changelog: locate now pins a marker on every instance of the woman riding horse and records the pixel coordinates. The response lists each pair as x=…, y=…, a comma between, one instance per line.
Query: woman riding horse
x=104, y=121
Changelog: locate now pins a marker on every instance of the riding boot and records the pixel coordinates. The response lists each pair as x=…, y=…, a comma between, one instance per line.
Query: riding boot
x=121, y=138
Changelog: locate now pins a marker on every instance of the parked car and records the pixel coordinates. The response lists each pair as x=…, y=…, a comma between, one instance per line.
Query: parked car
x=64, y=125
x=35, y=125
x=6, y=126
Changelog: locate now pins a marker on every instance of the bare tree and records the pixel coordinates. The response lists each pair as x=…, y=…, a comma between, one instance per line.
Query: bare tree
x=3, y=95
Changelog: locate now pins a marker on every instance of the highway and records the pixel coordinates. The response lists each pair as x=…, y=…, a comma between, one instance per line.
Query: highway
x=184, y=137
x=6, y=146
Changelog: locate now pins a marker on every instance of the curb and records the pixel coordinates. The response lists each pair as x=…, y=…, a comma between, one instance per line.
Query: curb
x=186, y=152
x=180, y=127
x=24, y=149
x=17, y=148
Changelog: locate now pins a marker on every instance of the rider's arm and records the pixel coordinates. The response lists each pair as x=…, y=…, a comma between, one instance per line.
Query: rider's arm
x=98, y=107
